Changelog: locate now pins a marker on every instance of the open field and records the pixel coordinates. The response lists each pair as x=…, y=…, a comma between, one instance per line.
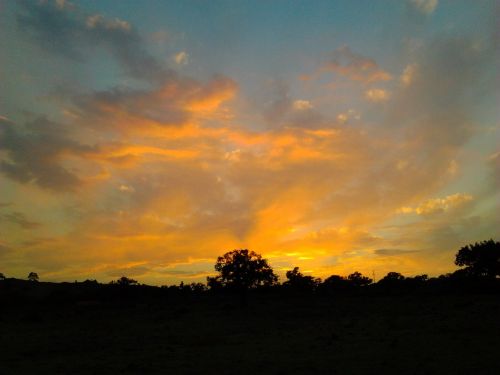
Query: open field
x=451, y=334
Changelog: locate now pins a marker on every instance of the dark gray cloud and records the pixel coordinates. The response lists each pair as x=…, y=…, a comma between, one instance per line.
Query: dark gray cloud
x=20, y=219
x=34, y=151
x=66, y=30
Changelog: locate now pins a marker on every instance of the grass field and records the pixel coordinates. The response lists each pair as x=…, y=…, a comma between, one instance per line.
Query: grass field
x=452, y=334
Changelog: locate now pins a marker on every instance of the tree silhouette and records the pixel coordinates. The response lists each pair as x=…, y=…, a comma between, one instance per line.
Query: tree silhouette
x=2, y=276
x=480, y=259
x=243, y=269
x=124, y=281
x=336, y=283
x=358, y=280
x=392, y=280
x=214, y=283
x=298, y=281
x=393, y=276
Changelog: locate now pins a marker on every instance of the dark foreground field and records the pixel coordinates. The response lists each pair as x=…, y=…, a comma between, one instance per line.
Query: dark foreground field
x=452, y=334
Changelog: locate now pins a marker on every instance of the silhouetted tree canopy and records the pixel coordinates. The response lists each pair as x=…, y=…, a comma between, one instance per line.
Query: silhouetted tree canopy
x=392, y=279
x=358, y=280
x=480, y=259
x=214, y=283
x=243, y=269
x=297, y=280
x=336, y=283
x=2, y=276
x=124, y=281
x=33, y=276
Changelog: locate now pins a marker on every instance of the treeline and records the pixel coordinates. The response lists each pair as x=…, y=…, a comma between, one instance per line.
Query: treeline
x=243, y=272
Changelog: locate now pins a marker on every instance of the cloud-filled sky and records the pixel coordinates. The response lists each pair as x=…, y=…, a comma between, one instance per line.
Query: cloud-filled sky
x=147, y=138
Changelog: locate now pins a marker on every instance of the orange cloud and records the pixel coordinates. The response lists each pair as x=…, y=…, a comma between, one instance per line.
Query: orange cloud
x=436, y=205
x=353, y=66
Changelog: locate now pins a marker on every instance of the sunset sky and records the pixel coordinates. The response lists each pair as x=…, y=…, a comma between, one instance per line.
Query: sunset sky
x=145, y=138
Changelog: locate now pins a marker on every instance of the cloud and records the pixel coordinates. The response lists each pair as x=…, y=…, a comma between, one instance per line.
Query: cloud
x=34, y=153
x=302, y=105
x=160, y=37
x=408, y=75
x=438, y=205
x=393, y=252
x=348, y=117
x=132, y=271
x=126, y=189
x=424, y=6
x=377, y=95
x=70, y=32
x=493, y=162
x=20, y=219
x=5, y=250
x=177, y=102
x=281, y=110
x=353, y=66
x=97, y=21
x=181, y=58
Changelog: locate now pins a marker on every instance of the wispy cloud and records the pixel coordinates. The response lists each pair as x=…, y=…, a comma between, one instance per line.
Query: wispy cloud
x=394, y=252
x=424, y=6
x=436, y=205
x=20, y=219
x=346, y=63
x=71, y=32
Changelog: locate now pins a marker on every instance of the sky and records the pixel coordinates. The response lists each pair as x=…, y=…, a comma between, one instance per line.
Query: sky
x=146, y=138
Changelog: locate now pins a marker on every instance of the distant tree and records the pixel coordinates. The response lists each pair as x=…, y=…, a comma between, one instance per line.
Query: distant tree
x=421, y=278
x=336, y=283
x=125, y=281
x=197, y=288
x=33, y=276
x=243, y=269
x=214, y=283
x=393, y=276
x=358, y=280
x=480, y=259
x=392, y=279
x=2, y=276
x=298, y=281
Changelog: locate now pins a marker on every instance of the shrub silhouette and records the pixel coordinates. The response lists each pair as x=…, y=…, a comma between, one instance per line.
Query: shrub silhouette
x=33, y=276
x=2, y=276
x=480, y=259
